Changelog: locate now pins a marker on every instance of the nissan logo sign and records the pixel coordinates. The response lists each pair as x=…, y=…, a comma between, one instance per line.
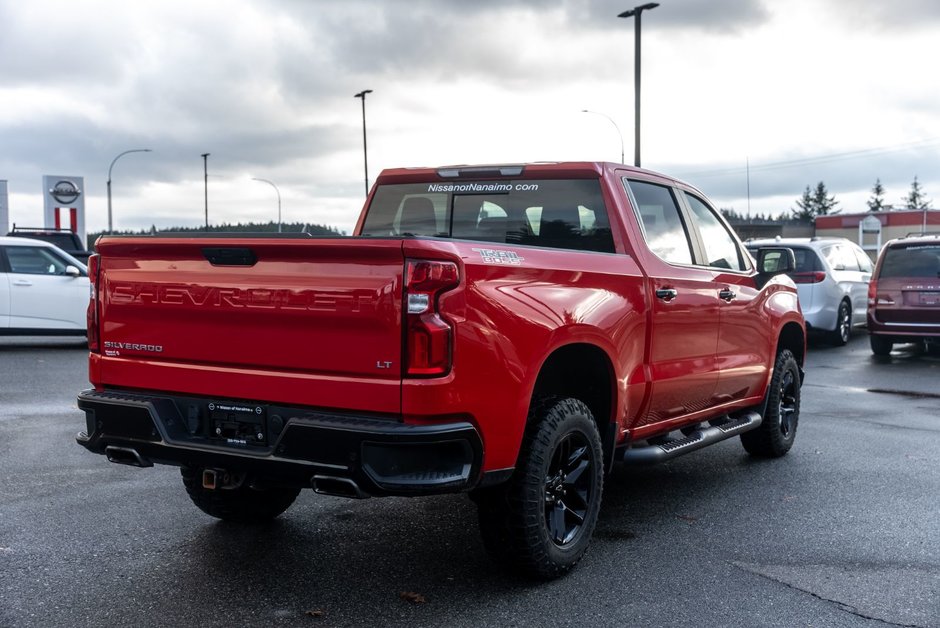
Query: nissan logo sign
x=65, y=192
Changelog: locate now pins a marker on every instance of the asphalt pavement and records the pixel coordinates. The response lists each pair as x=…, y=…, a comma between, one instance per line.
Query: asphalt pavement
x=843, y=531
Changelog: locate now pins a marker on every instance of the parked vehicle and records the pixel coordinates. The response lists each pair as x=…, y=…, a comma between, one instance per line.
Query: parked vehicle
x=832, y=276
x=43, y=290
x=65, y=239
x=510, y=331
x=904, y=294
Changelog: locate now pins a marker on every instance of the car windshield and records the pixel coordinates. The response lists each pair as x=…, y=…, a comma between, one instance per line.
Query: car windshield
x=922, y=261
x=568, y=214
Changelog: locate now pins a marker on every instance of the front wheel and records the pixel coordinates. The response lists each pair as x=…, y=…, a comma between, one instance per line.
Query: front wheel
x=776, y=433
x=237, y=499
x=541, y=521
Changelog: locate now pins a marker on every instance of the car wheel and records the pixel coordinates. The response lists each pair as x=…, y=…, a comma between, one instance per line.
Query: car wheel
x=238, y=500
x=776, y=433
x=880, y=345
x=541, y=521
x=843, y=331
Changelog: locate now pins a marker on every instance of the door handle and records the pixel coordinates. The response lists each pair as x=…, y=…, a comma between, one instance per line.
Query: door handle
x=726, y=294
x=22, y=282
x=666, y=294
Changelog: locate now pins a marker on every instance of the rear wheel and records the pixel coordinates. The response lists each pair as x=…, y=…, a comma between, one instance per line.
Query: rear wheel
x=843, y=331
x=880, y=345
x=237, y=499
x=776, y=433
x=541, y=521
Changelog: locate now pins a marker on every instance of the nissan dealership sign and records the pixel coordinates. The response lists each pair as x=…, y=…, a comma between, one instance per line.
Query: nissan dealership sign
x=63, y=203
x=65, y=192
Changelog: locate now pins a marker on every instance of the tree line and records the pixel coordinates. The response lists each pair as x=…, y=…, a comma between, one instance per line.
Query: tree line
x=819, y=202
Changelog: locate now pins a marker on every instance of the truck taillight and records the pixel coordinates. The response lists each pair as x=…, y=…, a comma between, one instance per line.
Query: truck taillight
x=91, y=315
x=428, y=336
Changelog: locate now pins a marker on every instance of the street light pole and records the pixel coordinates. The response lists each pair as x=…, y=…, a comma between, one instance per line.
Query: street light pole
x=365, y=153
x=636, y=12
x=598, y=113
x=271, y=183
x=205, y=173
x=133, y=150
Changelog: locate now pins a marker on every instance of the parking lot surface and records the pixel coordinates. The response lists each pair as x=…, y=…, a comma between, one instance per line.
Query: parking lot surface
x=844, y=531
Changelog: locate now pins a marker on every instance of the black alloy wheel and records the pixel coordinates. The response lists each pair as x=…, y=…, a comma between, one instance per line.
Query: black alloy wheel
x=775, y=435
x=568, y=488
x=540, y=522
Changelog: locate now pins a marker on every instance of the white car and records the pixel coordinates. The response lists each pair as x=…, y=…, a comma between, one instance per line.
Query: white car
x=832, y=276
x=43, y=289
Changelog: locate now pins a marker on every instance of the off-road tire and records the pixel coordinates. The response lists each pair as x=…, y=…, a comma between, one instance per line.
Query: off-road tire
x=880, y=345
x=540, y=522
x=843, y=331
x=245, y=504
x=776, y=433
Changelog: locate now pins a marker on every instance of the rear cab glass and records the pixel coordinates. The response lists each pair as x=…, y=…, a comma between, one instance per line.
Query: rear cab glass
x=556, y=213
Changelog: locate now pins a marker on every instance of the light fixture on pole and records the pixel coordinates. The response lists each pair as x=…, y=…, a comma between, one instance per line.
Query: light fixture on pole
x=205, y=173
x=133, y=150
x=619, y=134
x=271, y=183
x=365, y=153
x=636, y=12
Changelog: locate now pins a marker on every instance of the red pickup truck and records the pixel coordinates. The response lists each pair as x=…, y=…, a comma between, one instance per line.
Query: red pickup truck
x=509, y=331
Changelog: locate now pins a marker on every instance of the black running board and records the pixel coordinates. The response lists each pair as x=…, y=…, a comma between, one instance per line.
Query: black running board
x=717, y=432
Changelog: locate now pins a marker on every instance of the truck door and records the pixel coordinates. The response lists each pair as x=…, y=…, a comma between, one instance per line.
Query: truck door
x=743, y=342
x=684, y=304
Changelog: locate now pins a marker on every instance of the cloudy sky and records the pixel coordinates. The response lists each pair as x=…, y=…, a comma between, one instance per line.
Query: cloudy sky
x=801, y=91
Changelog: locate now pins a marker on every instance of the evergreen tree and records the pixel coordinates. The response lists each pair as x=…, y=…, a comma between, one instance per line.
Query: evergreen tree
x=806, y=211
x=916, y=199
x=877, y=201
x=824, y=202
x=816, y=202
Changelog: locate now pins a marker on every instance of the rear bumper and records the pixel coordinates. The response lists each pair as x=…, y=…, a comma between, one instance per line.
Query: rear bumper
x=356, y=456
x=900, y=330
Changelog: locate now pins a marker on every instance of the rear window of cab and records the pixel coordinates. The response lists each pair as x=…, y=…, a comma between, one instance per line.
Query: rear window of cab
x=557, y=213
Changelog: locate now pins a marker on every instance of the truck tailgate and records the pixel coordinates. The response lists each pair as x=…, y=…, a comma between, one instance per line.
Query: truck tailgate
x=328, y=308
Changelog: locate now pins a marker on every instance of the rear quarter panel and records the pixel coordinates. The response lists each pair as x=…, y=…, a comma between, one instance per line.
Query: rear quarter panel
x=508, y=320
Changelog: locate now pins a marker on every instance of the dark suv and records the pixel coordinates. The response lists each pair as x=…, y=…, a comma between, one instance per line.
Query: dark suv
x=65, y=239
x=904, y=294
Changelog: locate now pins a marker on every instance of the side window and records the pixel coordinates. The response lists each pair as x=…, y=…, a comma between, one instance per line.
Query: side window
x=658, y=214
x=841, y=258
x=30, y=260
x=720, y=248
x=864, y=262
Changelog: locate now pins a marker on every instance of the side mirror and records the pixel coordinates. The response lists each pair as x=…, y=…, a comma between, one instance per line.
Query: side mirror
x=772, y=261
x=72, y=271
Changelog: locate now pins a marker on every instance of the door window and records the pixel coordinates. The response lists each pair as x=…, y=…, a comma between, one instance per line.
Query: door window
x=721, y=250
x=663, y=229
x=30, y=260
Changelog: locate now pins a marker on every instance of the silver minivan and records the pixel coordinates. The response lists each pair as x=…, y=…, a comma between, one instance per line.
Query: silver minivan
x=831, y=276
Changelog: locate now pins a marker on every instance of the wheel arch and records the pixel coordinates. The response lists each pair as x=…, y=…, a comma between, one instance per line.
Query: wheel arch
x=583, y=371
x=793, y=337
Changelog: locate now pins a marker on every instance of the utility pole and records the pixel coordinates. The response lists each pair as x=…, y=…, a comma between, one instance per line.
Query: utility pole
x=205, y=173
x=636, y=12
x=365, y=153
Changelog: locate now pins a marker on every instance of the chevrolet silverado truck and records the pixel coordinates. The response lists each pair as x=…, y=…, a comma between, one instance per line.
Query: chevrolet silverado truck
x=510, y=331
